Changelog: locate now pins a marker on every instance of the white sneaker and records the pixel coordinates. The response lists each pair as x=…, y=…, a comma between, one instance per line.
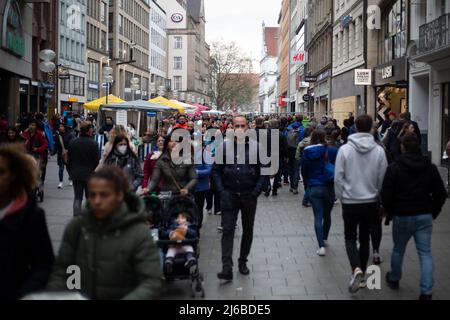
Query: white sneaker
x=60, y=185
x=209, y=212
x=355, y=281
x=70, y=183
x=321, y=252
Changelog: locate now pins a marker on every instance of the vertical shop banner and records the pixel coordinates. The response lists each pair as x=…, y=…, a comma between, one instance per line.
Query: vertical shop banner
x=122, y=118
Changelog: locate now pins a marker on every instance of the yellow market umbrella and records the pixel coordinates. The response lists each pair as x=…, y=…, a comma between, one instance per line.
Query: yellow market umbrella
x=95, y=105
x=166, y=102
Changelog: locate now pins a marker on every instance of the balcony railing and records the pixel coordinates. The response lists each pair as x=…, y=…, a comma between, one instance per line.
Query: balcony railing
x=435, y=34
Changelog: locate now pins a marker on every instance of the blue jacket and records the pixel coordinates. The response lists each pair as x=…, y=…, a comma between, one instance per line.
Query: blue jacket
x=190, y=234
x=296, y=126
x=313, y=163
x=203, y=174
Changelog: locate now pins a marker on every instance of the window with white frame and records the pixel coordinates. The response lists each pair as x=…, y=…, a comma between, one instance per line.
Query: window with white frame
x=177, y=83
x=178, y=43
x=177, y=63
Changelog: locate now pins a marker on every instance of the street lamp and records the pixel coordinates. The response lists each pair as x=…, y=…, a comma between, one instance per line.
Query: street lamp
x=161, y=91
x=47, y=56
x=135, y=85
x=47, y=65
x=108, y=78
x=152, y=89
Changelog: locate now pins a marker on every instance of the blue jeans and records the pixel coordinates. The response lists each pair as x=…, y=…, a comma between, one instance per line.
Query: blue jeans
x=322, y=201
x=420, y=227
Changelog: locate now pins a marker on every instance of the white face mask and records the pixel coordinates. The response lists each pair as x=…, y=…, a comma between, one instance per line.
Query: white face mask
x=122, y=149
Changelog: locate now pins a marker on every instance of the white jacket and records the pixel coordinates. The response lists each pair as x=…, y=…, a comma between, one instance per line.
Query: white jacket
x=360, y=168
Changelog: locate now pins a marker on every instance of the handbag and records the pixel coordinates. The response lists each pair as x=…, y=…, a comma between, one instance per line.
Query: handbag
x=65, y=152
x=328, y=169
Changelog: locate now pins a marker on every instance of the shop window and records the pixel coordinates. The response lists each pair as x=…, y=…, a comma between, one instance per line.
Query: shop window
x=393, y=42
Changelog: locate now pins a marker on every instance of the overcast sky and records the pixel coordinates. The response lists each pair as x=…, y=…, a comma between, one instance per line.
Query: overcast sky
x=241, y=21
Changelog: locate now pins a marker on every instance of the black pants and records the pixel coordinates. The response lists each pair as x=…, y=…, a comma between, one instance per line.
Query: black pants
x=376, y=233
x=213, y=197
x=79, y=188
x=231, y=205
x=363, y=216
x=200, y=198
x=209, y=199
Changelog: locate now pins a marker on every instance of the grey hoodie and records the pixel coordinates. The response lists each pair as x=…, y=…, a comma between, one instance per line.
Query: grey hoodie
x=360, y=168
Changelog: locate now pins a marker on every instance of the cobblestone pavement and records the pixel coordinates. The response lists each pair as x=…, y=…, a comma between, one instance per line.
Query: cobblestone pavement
x=283, y=261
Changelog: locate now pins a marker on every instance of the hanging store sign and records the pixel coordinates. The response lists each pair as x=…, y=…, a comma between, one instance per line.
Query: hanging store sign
x=363, y=77
x=299, y=57
x=310, y=79
x=12, y=36
x=63, y=73
x=177, y=17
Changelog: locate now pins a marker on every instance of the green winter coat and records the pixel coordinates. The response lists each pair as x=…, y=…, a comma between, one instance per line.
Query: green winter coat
x=117, y=257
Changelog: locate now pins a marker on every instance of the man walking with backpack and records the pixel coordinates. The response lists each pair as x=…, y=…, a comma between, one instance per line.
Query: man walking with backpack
x=360, y=168
x=294, y=134
x=413, y=194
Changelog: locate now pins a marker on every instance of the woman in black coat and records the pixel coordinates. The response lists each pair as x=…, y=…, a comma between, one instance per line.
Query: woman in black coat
x=26, y=254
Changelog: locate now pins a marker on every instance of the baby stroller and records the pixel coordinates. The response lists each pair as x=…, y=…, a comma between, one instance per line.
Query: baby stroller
x=161, y=210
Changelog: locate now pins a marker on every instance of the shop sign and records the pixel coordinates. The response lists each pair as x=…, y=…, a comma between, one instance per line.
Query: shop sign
x=310, y=79
x=93, y=85
x=122, y=118
x=324, y=75
x=299, y=57
x=177, y=17
x=12, y=39
x=63, y=73
x=363, y=77
x=387, y=72
x=306, y=97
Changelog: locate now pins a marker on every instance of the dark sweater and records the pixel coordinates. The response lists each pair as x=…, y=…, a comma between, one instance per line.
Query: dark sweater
x=413, y=186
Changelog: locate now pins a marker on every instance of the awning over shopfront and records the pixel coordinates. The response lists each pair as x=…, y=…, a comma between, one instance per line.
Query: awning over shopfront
x=95, y=105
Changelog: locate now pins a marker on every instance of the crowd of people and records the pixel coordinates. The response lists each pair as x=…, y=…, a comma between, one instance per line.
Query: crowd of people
x=376, y=171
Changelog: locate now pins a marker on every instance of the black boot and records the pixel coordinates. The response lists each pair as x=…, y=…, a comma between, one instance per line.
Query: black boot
x=243, y=269
x=225, y=275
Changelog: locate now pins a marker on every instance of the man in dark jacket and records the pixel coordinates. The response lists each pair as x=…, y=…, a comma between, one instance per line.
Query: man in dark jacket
x=282, y=154
x=295, y=133
x=413, y=194
x=83, y=159
x=240, y=186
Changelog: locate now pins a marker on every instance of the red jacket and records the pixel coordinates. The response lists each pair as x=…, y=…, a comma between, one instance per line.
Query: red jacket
x=149, y=167
x=178, y=126
x=37, y=141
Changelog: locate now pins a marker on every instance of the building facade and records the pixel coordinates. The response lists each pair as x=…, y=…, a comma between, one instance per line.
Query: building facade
x=283, y=57
x=429, y=76
x=298, y=57
x=319, y=47
x=72, y=91
x=188, y=52
x=269, y=69
x=158, y=45
x=348, y=55
x=25, y=30
x=129, y=47
x=97, y=47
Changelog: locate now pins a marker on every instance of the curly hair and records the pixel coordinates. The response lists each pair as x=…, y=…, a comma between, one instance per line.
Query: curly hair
x=23, y=168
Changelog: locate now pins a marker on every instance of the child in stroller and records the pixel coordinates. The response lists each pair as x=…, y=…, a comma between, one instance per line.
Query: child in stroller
x=180, y=229
x=176, y=220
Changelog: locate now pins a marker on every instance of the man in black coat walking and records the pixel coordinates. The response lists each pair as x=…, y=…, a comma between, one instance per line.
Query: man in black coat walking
x=413, y=194
x=83, y=160
x=240, y=186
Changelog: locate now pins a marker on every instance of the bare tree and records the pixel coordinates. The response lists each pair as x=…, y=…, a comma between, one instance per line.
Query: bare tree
x=232, y=83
